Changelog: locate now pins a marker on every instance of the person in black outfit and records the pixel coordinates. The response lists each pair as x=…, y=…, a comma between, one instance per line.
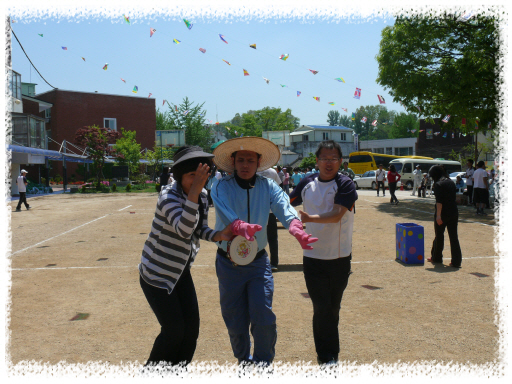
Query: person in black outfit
x=446, y=216
x=164, y=177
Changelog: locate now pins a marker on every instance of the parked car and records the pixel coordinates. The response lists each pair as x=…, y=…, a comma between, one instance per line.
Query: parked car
x=367, y=180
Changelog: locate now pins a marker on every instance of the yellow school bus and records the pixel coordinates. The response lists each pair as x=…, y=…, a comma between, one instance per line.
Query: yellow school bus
x=363, y=161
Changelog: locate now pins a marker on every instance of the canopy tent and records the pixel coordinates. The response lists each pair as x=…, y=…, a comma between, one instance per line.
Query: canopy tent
x=216, y=144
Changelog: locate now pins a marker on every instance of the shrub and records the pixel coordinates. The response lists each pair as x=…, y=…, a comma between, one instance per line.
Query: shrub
x=57, y=178
x=114, y=187
x=43, y=180
x=158, y=187
x=128, y=188
x=83, y=189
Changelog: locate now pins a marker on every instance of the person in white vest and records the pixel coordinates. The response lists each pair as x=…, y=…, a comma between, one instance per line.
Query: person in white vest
x=22, y=189
x=418, y=176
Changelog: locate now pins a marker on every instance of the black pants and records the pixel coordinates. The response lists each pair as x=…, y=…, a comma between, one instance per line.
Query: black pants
x=438, y=244
x=272, y=239
x=470, y=193
x=326, y=281
x=392, y=189
x=178, y=315
x=23, y=199
x=209, y=196
x=381, y=184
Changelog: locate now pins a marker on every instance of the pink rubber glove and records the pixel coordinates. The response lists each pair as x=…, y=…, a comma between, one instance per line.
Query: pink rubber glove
x=241, y=228
x=299, y=233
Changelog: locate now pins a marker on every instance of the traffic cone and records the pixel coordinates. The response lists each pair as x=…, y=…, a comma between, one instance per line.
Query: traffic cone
x=402, y=187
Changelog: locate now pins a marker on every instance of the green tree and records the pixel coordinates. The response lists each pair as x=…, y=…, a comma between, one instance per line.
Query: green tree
x=404, y=124
x=128, y=151
x=163, y=121
x=333, y=118
x=366, y=130
x=96, y=141
x=346, y=121
x=309, y=161
x=443, y=65
x=253, y=123
x=156, y=156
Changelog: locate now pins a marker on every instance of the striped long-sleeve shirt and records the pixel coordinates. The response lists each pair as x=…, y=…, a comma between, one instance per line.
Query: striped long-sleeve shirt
x=174, y=237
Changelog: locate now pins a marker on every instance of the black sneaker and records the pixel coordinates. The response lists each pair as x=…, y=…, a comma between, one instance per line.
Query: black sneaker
x=273, y=267
x=18, y=209
x=396, y=202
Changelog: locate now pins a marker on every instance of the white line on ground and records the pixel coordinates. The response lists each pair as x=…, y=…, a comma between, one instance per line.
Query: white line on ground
x=63, y=233
x=204, y=265
x=124, y=208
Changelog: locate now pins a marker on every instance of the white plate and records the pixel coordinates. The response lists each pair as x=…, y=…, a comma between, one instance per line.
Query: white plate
x=242, y=251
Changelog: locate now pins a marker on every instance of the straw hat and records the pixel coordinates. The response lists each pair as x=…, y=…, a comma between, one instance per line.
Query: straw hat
x=269, y=152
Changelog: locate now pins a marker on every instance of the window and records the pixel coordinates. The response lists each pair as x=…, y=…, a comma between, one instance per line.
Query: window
x=371, y=174
x=20, y=131
x=389, y=151
x=403, y=151
x=48, y=113
x=378, y=150
x=360, y=159
x=407, y=168
x=343, y=137
x=110, y=123
x=305, y=137
x=325, y=135
x=382, y=160
x=15, y=85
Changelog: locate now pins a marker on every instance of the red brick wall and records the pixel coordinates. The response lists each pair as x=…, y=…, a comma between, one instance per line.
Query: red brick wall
x=73, y=110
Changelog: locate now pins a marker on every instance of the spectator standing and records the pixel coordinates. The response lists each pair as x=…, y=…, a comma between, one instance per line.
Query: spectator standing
x=469, y=180
x=273, y=242
x=380, y=177
x=22, y=183
x=422, y=190
x=480, y=188
x=280, y=173
x=347, y=171
x=308, y=171
x=446, y=215
x=328, y=198
x=296, y=177
x=164, y=177
x=286, y=181
x=393, y=178
x=418, y=176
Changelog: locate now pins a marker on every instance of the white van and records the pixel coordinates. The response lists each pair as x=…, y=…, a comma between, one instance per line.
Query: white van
x=405, y=167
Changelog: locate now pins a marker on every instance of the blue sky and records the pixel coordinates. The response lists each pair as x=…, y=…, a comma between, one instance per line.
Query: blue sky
x=345, y=48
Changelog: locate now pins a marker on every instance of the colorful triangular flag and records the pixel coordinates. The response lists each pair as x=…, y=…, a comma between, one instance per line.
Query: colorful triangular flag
x=445, y=134
x=151, y=31
x=284, y=57
x=363, y=120
x=135, y=89
x=266, y=80
x=127, y=19
x=381, y=99
x=331, y=103
x=374, y=123
x=298, y=93
x=187, y=23
x=357, y=93
x=222, y=38
x=419, y=109
x=105, y=66
x=65, y=48
x=284, y=86
x=413, y=131
x=163, y=103
x=246, y=73
x=227, y=62
x=316, y=98
x=345, y=109
x=176, y=41
x=83, y=58
x=313, y=72
x=253, y=46
x=463, y=122
x=453, y=135
x=124, y=81
x=202, y=50
x=40, y=34
x=340, y=79
x=446, y=119
x=149, y=95
x=353, y=116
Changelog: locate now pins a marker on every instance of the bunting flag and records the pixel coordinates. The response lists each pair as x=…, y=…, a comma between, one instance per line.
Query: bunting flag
x=176, y=108
x=284, y=57
x=151, y=31
x=40, y=34
x=217, y=123
x=83, y=59
x=437, y=133
x=357, y=93
x=331, y=103
x=381, y=99
x=345, y=109
x=467, y=15
x=127, y=19
x=186, y=112
x=65, y=48
x=236, y=132
x=419, y=109
x=316, y=98
x=227, y=62
x=463, y=123
x=105, y=66
x=464, y=134
x=408, y=130
x=253, y=46
x=222, y=38
x=453, y=135
x=229, y=129
x=298, y=93
x=422, y=130
x=313, y=72
x=266, y=80
x=353, y=116
x=413, y=131
x=476, y=124
x=124, y=81
x=135, y=89
x=340, y=79
x=246, y=73
x=149, y=95
x=284, y=86
x=187, y=23
x=489, y=125
x=176, y=41
x=445, y=134
x=242, y=135
x=363, y=120
x=163, y=103
x=202, y=50
x=446, y=119
x=374, y=123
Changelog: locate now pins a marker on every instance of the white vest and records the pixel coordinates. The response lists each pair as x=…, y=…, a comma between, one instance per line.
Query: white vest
x=21, y=184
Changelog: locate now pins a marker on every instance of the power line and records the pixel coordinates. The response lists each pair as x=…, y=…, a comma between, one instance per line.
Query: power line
x=29, y=59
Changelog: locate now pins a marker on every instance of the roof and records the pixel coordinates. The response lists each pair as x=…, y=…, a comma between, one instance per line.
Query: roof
x=94, y=93
x=323, y=128
x=43, y=105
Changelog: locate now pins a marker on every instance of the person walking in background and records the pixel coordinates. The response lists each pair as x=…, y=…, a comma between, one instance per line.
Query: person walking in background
x=480, y=188
x=380, y=177
x=309, y=171
x=280, y=173
x=22, y=183
x=347, y=171
x=164, y=177
x=469, y=180
x=422, y=190
x=286, y=181
x=272, y=238
x=417, y=179
x=446, y=215
x=296, y=177
x=393, y=178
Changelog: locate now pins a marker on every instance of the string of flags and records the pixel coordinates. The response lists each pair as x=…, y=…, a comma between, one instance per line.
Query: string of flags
x=357, y=93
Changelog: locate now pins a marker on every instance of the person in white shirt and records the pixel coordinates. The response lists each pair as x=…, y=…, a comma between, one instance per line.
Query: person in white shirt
x=328, y=198
x=380, y=177
x=418, y=176
x=273, y=243
x=22, y=189
x=469, y=180
x=480, y=188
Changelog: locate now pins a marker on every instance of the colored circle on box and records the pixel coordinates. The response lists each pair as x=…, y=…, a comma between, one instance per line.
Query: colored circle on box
x=420, y=257
x=404, y=232
x=409, y=233
x=401, y=239
x=420, y=236
x=412, y=250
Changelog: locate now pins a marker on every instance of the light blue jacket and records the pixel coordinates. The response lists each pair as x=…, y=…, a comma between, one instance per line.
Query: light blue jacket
x=251, y=205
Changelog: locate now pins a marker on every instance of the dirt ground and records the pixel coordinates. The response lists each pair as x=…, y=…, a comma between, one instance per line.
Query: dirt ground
x=77, y=253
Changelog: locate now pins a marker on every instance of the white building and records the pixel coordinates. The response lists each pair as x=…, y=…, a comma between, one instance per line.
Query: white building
x=397, y=147
x=305, y=139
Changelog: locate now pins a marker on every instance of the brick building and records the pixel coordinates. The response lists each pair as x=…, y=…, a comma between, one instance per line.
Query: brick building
x=72, y=110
